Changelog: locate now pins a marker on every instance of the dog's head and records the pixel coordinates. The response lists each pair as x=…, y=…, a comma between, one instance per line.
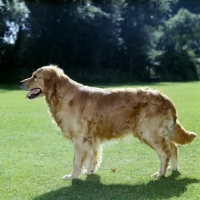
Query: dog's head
x=41, y=81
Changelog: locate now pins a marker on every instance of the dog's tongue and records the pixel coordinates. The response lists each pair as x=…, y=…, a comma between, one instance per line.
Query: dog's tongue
x=34, y=91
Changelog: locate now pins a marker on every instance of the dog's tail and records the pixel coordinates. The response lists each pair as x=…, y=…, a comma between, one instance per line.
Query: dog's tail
x=181, y=136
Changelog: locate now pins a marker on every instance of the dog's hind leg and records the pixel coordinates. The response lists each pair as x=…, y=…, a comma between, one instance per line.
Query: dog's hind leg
x=164, y=152
x=174, y=157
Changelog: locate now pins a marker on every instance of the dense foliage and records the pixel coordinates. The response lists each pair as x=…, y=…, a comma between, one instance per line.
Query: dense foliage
x=101, y=40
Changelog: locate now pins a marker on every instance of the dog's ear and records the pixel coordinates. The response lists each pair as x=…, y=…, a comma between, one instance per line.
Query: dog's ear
x=52, y=76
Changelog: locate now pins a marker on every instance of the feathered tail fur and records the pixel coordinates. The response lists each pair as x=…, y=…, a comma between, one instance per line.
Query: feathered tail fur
x=181, y=136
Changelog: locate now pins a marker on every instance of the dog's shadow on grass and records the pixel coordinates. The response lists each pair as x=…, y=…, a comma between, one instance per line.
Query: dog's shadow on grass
x=92, y=188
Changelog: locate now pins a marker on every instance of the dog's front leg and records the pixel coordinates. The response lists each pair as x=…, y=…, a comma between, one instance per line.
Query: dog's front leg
x=80, y=151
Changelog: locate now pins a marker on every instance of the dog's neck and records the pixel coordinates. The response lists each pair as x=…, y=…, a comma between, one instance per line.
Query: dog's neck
x=64, y=90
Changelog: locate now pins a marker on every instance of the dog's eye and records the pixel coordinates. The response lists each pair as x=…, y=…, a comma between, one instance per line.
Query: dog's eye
x=34, y=76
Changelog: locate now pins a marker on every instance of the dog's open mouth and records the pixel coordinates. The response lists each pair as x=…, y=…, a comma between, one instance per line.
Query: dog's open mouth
x=34, y=93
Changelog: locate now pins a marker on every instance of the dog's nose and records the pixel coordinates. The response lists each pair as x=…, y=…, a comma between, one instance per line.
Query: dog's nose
x=21, y=84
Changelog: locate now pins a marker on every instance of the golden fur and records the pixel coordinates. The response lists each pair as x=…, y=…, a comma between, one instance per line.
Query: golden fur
x=89, y=116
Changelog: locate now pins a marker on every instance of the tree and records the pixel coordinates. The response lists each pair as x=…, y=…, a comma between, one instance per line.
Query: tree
x=102, y=40
x=142, y=21
x=181, y=42
x=13, y=22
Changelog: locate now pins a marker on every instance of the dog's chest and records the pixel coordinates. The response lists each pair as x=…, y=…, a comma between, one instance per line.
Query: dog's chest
x=65, y=121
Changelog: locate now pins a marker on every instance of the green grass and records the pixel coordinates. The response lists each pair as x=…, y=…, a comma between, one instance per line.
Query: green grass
x=34, y=155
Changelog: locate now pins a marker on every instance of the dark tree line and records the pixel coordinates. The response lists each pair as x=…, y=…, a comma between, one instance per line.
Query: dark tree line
x=102, y=40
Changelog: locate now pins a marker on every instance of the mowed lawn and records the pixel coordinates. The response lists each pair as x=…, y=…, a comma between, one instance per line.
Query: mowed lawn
x=34, y=155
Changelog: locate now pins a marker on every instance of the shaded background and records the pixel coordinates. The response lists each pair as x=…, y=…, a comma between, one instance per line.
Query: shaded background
x=101, y=40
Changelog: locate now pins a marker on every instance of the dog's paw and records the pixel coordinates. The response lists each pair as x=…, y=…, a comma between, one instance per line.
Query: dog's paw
x=157, y=175
x=68, y=177
x=88, y=171
x=171, y=168
x=84, y=172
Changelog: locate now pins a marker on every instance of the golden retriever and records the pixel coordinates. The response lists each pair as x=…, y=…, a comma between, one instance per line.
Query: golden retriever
x=88, y=116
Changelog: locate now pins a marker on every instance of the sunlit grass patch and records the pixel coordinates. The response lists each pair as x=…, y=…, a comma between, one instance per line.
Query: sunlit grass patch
x=34, y=155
